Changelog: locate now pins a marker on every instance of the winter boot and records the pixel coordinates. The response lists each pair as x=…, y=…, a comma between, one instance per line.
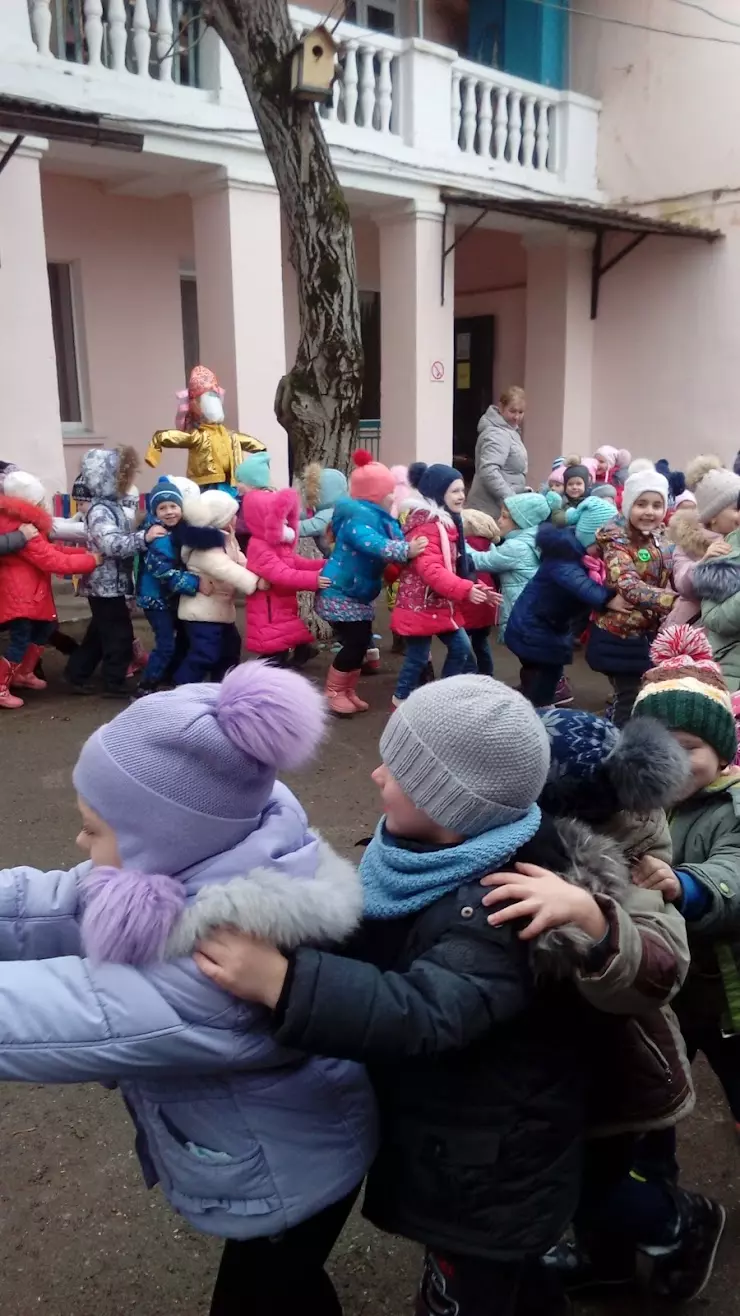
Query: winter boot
x=139, y=659
x=563, y=693
x=360, y=705
x=23, y=675
x=338, y=685
x=7, y=700
x=681, y=1270
x=371, y=664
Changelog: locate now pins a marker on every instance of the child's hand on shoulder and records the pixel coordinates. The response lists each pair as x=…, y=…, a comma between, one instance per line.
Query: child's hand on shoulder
x=546, y=899
x=154, y=532
x=242, y=965
x=718, y=548
x=417, y=546
x=655, y=875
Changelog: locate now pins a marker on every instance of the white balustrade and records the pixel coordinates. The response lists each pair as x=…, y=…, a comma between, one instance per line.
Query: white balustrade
x=117, y=34
x=405, y=99
x=41, y=26
x=503, y=119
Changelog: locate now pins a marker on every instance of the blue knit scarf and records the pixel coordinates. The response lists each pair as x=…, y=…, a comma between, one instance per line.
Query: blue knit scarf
x=397, y=881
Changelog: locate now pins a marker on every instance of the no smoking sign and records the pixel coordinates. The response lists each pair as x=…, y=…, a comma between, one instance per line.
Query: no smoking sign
x=437, y=372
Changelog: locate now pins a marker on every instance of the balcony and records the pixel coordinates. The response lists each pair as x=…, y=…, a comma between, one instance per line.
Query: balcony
x=399, y=105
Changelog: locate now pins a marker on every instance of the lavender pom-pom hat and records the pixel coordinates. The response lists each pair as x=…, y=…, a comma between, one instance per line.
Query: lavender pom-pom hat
x=186, y=775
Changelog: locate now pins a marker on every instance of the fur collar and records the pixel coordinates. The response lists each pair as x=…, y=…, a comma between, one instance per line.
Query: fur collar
x=597, y=864
x=686, y=531
x=423, y=509
x=197, y=536
x=718, y=579
x=17, y=509
x=286, y=911
x=131, y=917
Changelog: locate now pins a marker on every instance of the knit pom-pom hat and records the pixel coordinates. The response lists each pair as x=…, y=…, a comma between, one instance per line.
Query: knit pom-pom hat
x=181, y=777
x=215, y=508
x=713, y=485
x=638, y=769
x=528, y=510
x=432, y=481
x=370, y=481
x=577, y=472
x=686, y=691
x=20, y=484
x=165, y=491
x=254, y=470
x=588, y=517
x=640, y=464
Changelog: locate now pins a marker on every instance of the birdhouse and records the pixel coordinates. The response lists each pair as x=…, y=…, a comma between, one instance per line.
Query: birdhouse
x=313, y=66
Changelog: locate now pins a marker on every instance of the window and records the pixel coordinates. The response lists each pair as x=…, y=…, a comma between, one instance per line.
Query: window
x=379, y=15
x=370, y=330
x=65, y=343
x=190, y=332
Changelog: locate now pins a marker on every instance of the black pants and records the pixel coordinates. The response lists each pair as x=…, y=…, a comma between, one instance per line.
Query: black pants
x=109, y=639
x=283, y=1276
x=214, y=647
x=479, y=638
x=540, y=682
x=473, y=1286
x=626, y=687
x=355, y=638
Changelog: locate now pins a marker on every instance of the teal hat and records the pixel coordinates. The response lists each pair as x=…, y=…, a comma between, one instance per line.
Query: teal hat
x=531, y=509
x=254, y=471
x=589, y=516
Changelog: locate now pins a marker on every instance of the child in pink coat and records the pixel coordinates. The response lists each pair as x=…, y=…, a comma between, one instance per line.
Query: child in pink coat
x=274, y=627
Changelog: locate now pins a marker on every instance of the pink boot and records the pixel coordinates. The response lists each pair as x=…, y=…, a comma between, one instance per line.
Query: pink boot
x=338, y=685
x=352, y=695
x=139, y=659
x=23, y=675
x=7, y=700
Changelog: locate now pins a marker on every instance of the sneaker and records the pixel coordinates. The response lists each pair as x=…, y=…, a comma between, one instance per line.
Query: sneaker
x=80, y=687
x=579, y=1270
x=681, y=1270
x=563, y=693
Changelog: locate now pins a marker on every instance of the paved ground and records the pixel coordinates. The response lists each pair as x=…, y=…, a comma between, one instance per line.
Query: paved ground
x=79, y=1234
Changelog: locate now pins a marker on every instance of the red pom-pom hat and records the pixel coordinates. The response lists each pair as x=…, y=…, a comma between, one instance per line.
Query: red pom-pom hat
x=370, y=481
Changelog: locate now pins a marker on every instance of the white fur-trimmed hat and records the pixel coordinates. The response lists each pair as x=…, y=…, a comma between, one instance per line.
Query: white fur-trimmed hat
x=643, y=482
x=214, y=508
x=20, y=484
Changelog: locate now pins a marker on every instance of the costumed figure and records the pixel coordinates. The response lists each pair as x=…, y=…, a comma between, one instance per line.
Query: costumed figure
x=214, y=452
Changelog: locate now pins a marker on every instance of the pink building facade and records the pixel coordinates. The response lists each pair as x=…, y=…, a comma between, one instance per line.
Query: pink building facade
x=119, y=270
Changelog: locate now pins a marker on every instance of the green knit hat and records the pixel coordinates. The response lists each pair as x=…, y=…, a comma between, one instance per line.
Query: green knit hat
x=528, y=510
x=254, y=470
x=686, y=691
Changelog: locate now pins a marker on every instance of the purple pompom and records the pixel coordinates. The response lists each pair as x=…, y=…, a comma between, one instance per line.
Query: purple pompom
x=274, y=716
x=128, y=915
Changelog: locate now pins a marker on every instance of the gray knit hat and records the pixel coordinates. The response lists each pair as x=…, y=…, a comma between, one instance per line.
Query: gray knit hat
x=713, y=485
x=469, y=751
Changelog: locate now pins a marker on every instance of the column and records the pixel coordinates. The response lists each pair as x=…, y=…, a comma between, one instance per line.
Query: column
x=417, y=331
x=238, y=265
x=31, y=432
x=559, y=350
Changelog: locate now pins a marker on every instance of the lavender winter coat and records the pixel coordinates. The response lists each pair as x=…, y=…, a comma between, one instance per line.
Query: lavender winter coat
x=246, y=1137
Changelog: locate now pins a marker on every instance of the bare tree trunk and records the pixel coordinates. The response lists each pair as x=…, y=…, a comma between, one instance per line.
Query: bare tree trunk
x=318, y=402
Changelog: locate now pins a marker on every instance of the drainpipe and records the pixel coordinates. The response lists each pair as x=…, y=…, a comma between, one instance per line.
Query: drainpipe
x=420, y=18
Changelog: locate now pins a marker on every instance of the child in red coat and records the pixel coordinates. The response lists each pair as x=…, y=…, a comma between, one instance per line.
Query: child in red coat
x=273, y=624
x=435, y=586
x=26, y=598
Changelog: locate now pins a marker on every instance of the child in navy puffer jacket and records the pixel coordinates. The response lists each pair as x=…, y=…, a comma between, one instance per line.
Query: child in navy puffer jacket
x=568, y=582
x=161, y=580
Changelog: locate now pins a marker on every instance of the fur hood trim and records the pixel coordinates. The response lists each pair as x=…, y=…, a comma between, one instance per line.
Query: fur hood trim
x=286, y=911
x=597, y=865
x=17, y=509
x=129, y=462
x=687, y=533
x=311, y=483
x=423, y=509
x=197, y=536
x=718, y=579
x=480, y=524
x=131, y=917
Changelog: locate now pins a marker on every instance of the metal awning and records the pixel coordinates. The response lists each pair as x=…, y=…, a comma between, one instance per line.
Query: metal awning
x=28, y=118
x=581, y=216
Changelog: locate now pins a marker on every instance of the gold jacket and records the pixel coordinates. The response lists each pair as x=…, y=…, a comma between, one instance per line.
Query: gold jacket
x=213, y=451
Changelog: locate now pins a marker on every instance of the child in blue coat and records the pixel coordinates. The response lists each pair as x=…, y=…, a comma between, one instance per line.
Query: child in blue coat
x=542, y=623
x=162, y=578
x=366, y=538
